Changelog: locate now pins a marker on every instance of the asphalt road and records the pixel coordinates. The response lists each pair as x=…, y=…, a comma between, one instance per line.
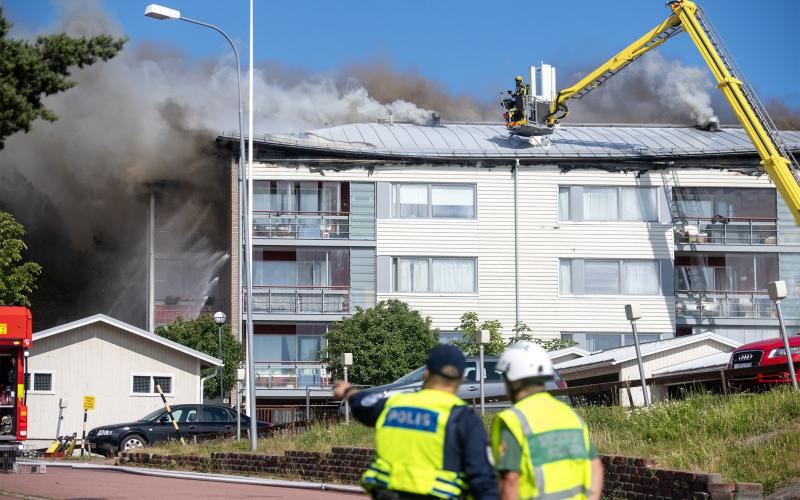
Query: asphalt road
x=63, y=482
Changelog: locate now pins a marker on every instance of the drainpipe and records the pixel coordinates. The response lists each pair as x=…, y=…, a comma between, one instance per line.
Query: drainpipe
x=516, y=244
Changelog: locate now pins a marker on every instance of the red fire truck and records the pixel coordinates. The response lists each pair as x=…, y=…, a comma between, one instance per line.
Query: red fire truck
x=15, y=340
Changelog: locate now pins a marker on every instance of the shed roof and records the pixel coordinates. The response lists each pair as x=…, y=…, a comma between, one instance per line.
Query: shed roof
x=620, y=355
x=102, y=318
x=492, y=141
x=558, y=353
x=700, y=364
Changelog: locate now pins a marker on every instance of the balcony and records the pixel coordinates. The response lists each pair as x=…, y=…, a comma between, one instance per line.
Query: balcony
x=288, y=375
x=699, y=304
x=727, y=231
x=301, y=299
x=301, y=225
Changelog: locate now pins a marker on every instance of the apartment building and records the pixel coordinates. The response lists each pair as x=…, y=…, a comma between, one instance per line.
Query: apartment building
x=559, y=235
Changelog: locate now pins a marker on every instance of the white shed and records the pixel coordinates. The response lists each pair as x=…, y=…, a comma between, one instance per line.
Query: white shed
x=617, y=365
x=566, y=354
x=117, y=363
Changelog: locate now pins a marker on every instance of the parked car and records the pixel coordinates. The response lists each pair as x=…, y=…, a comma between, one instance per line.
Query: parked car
x=765, y=353
x=493, y=387
x=194, y=422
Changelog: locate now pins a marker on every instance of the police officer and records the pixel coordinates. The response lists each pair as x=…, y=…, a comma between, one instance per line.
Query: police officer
x=541, y=446
x=428, y=444
x=520, y=92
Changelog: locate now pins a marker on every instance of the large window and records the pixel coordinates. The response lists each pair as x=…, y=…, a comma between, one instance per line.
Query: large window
x=609, y=277
x=601, y=341
x=147, y=384
x=445, y=201
x=747, y=203
x=301, y=267
x=302, y=342
x=301, y=196
x=434, y=274
x=730, y=272
x=607, y=204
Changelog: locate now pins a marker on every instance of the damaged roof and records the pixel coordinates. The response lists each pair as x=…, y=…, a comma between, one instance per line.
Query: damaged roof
x=488, y=141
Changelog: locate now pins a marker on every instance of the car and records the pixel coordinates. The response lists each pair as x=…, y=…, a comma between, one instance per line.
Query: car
x=764, y=353
x=195, y=421
x=494, y=387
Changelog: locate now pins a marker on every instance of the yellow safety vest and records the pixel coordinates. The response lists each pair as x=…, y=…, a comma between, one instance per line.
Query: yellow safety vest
x=555, y=461
x=409, y=446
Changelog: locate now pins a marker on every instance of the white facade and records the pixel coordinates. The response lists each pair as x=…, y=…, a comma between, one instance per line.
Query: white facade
x=100, y=356
x=543, y=240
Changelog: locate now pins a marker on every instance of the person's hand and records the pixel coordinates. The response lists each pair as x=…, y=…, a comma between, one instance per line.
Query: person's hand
x=340, y=389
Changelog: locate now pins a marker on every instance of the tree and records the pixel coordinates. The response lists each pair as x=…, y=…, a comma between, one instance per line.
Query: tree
x=201, y=334
x=17, y=280
x=470, y=326
x=387, y=341
x=31, y=71
x=523, y=333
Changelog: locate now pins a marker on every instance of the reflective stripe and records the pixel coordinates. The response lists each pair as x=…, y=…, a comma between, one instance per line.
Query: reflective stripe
x=451, y=483
x=561, y=495
x=373, y=468
x=382, y=484
x=526, y=428
x=446, y=494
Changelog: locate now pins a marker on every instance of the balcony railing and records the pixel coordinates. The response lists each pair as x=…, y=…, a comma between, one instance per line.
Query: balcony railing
x=301, y=299
x=301, y=225
x=168, y=309
x=720, y=304
x=727, y=231
x=289, y=375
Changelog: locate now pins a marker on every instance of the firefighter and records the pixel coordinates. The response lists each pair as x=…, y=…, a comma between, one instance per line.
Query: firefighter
x=519, y=94
x=428, y=444
x=541, y=446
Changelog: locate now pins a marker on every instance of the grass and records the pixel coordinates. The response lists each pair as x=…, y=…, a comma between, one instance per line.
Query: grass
x=746, y=437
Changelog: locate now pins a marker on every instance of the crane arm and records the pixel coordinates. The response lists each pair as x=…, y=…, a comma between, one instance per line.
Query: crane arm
x=776, y=158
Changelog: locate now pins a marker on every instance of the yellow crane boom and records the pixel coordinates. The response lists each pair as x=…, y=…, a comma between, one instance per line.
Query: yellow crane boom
x=776, y=158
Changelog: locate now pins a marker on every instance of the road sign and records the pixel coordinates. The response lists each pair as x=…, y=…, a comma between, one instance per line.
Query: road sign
x=88, y=402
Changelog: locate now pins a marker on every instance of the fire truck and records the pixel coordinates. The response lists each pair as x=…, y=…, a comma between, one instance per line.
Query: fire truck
x=16, y=335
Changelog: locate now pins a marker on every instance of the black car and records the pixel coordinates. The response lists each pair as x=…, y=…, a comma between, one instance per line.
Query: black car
x=194, y=422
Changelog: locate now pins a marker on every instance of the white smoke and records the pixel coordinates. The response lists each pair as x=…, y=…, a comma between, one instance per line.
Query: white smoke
x=650, y=90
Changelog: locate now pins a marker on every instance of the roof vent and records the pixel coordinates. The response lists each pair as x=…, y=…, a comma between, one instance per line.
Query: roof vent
x=711, y=125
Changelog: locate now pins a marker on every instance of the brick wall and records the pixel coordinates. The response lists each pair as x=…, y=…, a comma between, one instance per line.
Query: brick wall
x=625, y=477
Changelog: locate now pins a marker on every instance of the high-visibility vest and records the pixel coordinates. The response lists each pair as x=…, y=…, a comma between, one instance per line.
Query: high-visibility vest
x=555, y=463
x=522, y=89
x=409, y=446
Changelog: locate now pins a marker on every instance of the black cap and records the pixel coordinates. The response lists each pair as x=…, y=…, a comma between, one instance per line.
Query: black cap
x=446, y=360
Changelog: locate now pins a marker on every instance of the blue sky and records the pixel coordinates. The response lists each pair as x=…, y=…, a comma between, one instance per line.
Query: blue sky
x=474, y=47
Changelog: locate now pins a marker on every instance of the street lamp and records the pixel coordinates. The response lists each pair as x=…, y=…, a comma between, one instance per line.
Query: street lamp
x=777, y=292
x=165, y=13
x=484, y=337
x=219, y=319
x=633, y=313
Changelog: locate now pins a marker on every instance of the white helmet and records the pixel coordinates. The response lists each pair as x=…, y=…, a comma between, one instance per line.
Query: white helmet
x=524, y=360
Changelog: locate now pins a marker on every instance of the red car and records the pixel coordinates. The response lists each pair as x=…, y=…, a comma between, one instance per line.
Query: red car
x=765, y=353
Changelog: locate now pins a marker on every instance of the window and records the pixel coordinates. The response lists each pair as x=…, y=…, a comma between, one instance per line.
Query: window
x=146, y=384
x=450, y=337
x=212, y=414
x=445, y=201
x=42, y=382
x=593, y=342
x=608, y=203
x=434, y=274
x=609, y=277
x=277, y=342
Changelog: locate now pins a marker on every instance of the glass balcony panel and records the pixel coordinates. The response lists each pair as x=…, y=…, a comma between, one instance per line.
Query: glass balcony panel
x=291, y=375
x=719, y=230
x=301, y=300
x=301, y=225
x=730, y=305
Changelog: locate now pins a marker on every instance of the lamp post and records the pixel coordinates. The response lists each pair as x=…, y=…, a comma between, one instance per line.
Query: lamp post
x=777, y=292
x=484, y=337
x=633, y=313
x=347, y=360
x=219, y=319
x=165, y=13
x=239, y=379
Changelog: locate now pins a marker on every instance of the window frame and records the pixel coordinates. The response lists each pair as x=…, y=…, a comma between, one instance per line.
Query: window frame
x=619, y=219
x=620, y=267
x=395, y=282
x=395, y=200
x=31, y=383
x=570, y=335
x=153, y=392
